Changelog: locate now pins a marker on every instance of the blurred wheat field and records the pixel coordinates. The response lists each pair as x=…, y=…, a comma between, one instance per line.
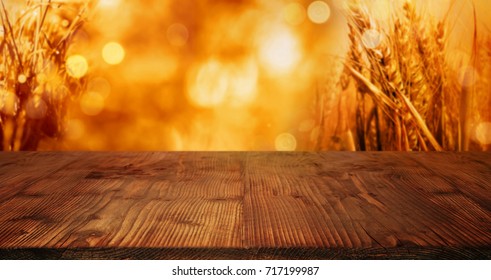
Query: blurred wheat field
x=245, y=75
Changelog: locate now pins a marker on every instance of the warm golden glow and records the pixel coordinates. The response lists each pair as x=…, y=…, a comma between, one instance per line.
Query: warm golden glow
x=235, y=75
x=65, y=23
x=306, y=125
x=22, y=78
x=483, y=133
x=319, y=12
x=42, y=78
x=215, y=83
x=285, y=142
x=150, y=68
x=294, y=13
x=177, y=34
x=92, y=103
x=108, y=4
x=208, y=86
x=99, y=85
x=242, y=79
x=279, y=50
x=113, y=53
x=75, y=129
x=9, y=102
x=77, y=66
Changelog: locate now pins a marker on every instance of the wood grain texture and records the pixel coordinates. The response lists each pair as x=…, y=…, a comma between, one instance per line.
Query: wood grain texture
x=255, y=205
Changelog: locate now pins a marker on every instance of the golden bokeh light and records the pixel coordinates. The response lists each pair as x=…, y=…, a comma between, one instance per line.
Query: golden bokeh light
x=177, y=34
x=294, y=13
x=216, y=83
x=9, y=102
x=65, y=23
x=113, y=53
x=242, y=83
x=109, y=4
x=77, y=66
x=208, y=86
x=285, y=142
x=279, y=51
x=22, y=79
x=92, y=103
x=483, y=133
x=319, y=12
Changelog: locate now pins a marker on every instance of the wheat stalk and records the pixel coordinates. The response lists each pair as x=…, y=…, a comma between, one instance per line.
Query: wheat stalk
x=407, y=80
x=34, y=85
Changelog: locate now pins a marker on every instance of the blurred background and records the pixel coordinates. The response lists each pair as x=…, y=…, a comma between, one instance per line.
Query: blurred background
x=221, y=74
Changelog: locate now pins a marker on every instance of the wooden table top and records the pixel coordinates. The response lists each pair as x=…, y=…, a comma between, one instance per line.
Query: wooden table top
x=245, y=205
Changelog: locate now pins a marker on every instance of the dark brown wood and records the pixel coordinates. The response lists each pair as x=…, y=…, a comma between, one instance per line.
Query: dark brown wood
x=234, y=205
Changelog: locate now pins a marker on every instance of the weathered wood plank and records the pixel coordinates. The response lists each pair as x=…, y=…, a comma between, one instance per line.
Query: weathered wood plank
x=245, y=205
x=127, y=200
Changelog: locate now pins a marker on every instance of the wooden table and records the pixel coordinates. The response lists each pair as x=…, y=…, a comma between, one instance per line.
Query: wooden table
x=223, y=205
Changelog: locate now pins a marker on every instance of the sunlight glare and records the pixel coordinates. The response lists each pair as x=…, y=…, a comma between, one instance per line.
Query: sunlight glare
x=279, y=51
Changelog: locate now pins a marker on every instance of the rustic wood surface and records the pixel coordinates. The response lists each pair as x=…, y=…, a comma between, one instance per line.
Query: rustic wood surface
x=197, y=205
